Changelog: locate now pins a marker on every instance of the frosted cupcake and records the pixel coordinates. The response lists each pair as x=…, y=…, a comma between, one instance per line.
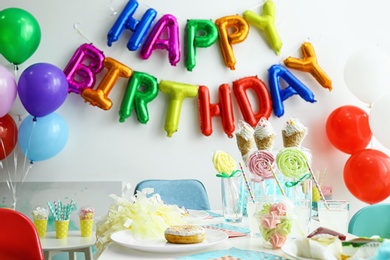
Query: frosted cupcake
x=293, y=133
x=245, y=141
x=264, y=134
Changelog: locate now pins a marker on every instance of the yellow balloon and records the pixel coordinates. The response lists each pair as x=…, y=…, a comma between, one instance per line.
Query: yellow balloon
x=177, y=93
x=266, y=23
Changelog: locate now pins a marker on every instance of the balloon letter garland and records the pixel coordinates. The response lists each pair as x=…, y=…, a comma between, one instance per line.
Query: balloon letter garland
x=172, y=43
x=240, y=30
x=266, y=23
x=99, y=96
x=79, y=75
x=294, y=87
x=126, y=21
x=240, y=87
x=201, y=34
x=309, y=64
x=141, y=89
x=177, y=92
x=223, y=109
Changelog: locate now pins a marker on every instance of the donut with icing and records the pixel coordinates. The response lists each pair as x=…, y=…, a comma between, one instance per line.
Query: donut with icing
x=185, y=234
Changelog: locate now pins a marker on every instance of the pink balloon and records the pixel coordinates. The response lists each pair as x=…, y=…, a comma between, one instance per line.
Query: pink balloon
x=171, y=44
x=80, y=72
x=8, y=90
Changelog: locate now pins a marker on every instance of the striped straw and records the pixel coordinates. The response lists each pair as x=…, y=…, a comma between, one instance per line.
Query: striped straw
x=276, y=178
x=317, y=185
x=247, y=184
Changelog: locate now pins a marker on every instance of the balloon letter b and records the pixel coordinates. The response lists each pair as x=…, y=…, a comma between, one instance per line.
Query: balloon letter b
x=79, y=75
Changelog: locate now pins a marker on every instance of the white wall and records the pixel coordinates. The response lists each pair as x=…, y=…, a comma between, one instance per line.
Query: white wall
x=100, y=148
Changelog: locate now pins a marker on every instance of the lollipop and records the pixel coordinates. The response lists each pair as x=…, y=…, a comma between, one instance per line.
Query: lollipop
x=224, y=164
x=259, y=165
x=292, y=162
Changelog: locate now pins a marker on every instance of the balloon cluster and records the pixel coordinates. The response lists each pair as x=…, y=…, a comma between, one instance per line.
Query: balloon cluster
x=42, y=89
x=350, y=129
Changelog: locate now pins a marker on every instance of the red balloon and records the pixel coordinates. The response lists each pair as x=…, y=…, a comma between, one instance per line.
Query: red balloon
x=348, y=129
x=240, y=88
x=224, y=109
x=8, y=136
x=367, y=175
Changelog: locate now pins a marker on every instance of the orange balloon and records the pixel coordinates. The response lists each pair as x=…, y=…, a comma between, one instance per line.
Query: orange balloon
x=239, y=29
x=309, y=63
x=99, y=96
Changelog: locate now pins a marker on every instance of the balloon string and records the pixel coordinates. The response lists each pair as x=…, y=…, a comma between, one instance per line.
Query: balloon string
x=76, y=27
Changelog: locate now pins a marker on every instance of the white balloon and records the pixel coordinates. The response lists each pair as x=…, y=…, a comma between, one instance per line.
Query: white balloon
x=379, y=120
x=366, y=74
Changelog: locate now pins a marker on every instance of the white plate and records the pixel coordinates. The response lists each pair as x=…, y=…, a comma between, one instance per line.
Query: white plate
x=290, y=249
x=125, y=238
x=198, y=214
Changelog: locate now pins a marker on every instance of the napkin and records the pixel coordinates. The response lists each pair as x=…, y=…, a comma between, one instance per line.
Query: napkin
x=232, y=253
x=230, y=230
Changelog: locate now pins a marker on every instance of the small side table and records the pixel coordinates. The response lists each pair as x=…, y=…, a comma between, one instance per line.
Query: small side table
x=72, y=244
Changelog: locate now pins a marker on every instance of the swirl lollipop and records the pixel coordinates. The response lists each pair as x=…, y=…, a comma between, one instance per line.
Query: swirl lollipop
x=224, y=164
x=292, y=162
x=259, y=165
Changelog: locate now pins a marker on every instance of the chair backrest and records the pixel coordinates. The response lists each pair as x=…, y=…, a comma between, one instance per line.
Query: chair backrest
x=189, y=193
x=371, y=220
x=18, y=237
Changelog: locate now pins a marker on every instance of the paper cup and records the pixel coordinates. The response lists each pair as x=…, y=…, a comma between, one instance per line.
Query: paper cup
x=62, y=227
x=41, y=226
x=86, y=227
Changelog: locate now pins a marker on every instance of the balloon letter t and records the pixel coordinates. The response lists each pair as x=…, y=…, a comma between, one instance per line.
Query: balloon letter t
x=177, y=92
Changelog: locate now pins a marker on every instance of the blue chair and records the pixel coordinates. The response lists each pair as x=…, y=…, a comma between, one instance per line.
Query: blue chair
x=189, y=193
x=371, y=220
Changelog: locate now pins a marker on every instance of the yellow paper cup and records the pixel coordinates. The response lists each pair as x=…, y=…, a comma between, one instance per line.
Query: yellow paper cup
x=41, y=226
x=86, y=226
x=62, y=227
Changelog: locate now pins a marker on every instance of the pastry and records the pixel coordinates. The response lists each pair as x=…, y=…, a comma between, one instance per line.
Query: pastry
x=264, y=134
x=245, y=141
x=293, y=133
x=185, y=234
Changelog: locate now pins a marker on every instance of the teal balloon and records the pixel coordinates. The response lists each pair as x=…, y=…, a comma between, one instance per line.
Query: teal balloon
x=43, y=137
x=20, y=35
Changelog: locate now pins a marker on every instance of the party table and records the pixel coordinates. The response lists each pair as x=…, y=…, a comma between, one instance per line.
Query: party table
x=72, y=244
x=244, y=244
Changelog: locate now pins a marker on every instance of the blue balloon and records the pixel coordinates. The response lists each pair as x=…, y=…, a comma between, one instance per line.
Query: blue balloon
x=139, y=28
x=43, y=137
x=278, y=95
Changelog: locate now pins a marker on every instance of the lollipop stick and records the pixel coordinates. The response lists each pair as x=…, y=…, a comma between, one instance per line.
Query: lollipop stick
x=247, y=184
x=317, y=185
x=276, y=178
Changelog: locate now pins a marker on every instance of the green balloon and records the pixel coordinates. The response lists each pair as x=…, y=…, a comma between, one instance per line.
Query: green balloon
x=20, y=35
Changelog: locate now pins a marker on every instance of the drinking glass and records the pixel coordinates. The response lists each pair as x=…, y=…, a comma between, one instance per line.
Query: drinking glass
x=232, y=198
x=335, y=216
x=251, y=205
